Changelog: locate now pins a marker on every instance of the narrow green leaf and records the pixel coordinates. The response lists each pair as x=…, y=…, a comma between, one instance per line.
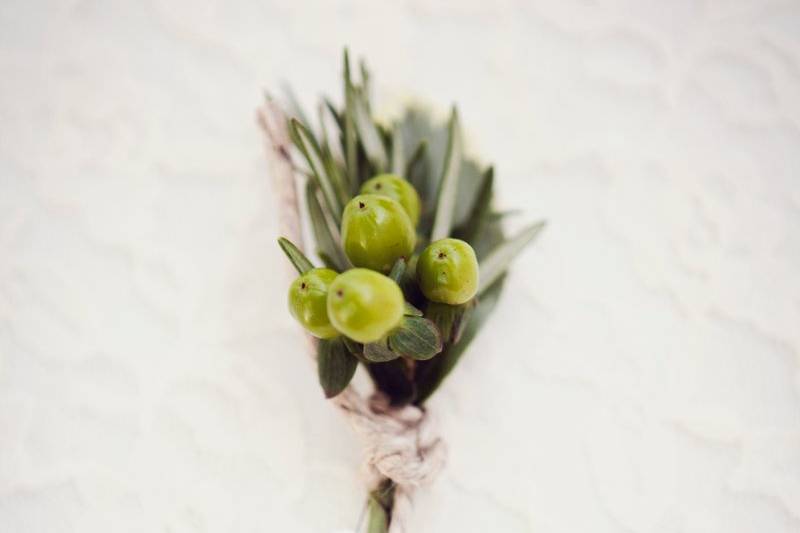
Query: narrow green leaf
x=412, y=311
x=398, y=269
x=335, y=366
x=337, y=116
x=293, y=107
x=379, y=352
x=431, y=373
x=366, y=83
x=325, y=236
x=398, y=155
x=497, y=216
x=480, y=208
x=350, y=141
x=415, y=170
x=355, y=349
x=448, y=185
x=368, y=133
x=300, y=261
x=332, y=170
x=327, y=260
x=417, y=338
x=352, y=345
x=332, y=150
x=308, y=146
x=450, y=319
x=496, y=262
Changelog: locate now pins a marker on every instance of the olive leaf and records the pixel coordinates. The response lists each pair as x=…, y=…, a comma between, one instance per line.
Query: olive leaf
x=430, y=374
x=398, y=269
x=379, y=352
x=495, y=264
x=327, y=260
x=335, y=366
x=416, y=338
x=398, y=155
x=307, y=144
x=300, y=261
x=414, y=171
x=368, y=133
x=334, y=113
x=330, y=131
x=448, y=185
x=293, y=106
x=350, y=141
x=480, y=207
x=412, y=311
x=325, y=236
x=366, y=82
x=355, y=349
x=450, y=319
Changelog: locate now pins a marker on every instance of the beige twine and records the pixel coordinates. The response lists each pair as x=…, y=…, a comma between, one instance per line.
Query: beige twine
x=400, y=443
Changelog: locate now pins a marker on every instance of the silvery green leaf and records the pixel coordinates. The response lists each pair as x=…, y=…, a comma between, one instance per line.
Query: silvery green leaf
x=416, y=338
x=398, y=152
x=337, y=116
x=300, y=261
x=327, y=261
x=325, y=235
x=480, y=207
x=430, y=374
x=496, y=262
x=307, y=144
x=293, y=107
x=398, y=269
x=350, y=140
x=450, y=319
x=412, y=311
x=335, y=366
x=448, y=185
x=330, y=134
x=414, y=171
x=366, y=83
x=368, y=133
x=379, y=352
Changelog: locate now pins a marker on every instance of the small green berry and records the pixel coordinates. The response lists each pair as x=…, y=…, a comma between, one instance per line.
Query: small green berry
x=447, y=271
x=365, y=305
x=396, y=188
x=308, y=296
x=376, y=232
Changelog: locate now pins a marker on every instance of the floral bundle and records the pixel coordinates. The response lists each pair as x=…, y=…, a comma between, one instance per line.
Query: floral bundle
x=411, y=260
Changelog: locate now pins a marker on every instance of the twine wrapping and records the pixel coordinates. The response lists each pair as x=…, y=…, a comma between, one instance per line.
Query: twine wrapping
x=401, y=443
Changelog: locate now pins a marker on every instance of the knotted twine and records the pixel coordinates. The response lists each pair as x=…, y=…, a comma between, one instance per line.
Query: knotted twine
x=400, y=443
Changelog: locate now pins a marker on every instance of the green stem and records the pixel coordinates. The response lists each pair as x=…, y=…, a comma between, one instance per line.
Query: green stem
x=380, y=503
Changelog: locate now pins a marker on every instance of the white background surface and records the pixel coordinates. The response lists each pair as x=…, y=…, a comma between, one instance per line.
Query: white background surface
x=640, y=375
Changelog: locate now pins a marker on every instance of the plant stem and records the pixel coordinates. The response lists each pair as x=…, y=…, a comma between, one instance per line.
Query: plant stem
x=380, y=503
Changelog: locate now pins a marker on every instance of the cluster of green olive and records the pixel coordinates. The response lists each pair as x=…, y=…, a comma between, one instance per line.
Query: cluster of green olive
x=378, y=228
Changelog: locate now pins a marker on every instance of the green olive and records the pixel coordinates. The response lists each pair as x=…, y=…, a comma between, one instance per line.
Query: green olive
x=308, y=297
x=376, y=232
x=396, y=188
x=365, y=305
x=447, y=271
